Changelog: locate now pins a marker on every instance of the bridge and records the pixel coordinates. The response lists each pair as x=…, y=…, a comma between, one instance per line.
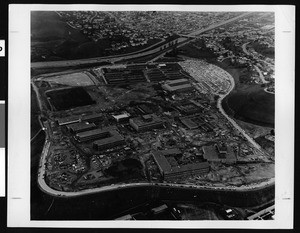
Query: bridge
x=190, y=36
x=168, y=46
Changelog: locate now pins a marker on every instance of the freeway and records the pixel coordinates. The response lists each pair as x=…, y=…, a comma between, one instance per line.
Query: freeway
x=181, y=42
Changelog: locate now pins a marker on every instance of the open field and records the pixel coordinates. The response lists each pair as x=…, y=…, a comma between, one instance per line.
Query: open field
x=253, y=105
x=69, y=98
x=73, y=79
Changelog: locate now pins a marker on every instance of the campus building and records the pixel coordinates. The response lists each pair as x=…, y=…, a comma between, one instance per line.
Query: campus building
x=92, y=117
x=112, y=139
x=120, y=118
x=78, y=118
x=169, y=169
x=146, y=122
x=197, y=121
x=219, y=153
x=91, y=134
x=68, y=120
x=80, y=127
x=177, y=85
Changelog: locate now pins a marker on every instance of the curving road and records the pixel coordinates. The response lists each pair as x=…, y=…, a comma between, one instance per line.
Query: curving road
x=219, y=105
x=244, y=47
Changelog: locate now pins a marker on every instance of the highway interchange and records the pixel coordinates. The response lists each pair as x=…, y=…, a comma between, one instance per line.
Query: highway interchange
x=181, y=41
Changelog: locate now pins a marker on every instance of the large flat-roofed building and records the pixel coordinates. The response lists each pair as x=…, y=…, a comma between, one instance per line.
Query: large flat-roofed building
x=92, y=134
x=177, y=85
x=195, y=121
x=124, y=117
x=68, y=120
x=80, y=127
x=92, y=117
x=123, y=76
x=215, y=154
x=78, y=118
x=189, y=107
x=169, y=171
x=189, y=123
x=112, y=139
x=146, y=122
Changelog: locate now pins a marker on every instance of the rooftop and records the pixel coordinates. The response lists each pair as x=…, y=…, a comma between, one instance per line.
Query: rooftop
x=177, y=84
x=146, y=119
x=68, y=120
x=98, y=131
x=120, y=116
x=81, y=126
x=114, y=137
x=163, y=163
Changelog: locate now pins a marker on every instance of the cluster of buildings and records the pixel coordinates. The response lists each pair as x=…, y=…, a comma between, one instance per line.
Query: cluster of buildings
x=219, y=153
x=123, y=76
x=139, y=28
x=256, y=29
x=131, y=125
x=146, y=122
x=170, y=71
x=197, y=121
x=99, y=25
x=170, y=168
x=141, y=73
x=159, y=24
x=188, y=107
x=84, y=129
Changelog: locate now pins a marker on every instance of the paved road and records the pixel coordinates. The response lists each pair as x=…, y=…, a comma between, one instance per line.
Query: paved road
x=38, y=97
x=244, y=47
x=219, y=105
x=44, y=186
x=181, y=42
x=260, y=74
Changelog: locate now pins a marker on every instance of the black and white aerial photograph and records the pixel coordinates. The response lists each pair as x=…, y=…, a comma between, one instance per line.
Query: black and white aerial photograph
x=154, y=115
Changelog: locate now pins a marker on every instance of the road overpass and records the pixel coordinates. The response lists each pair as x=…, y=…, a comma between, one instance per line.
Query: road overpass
x=167, y=46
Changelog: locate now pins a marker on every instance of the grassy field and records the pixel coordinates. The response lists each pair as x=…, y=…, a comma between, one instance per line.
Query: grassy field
x=253, y=105
x=71, y=79
x=248, y=102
